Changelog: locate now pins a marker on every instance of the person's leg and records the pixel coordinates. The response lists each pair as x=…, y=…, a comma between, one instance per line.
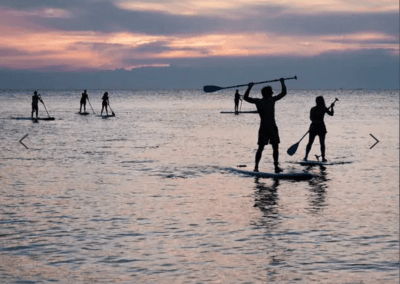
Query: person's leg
x=311, y=138
x=80, y=109
x=102, y=108
x=106, y=109
x=275, y=155
x=322, y=142
x=84, y=106
x=258, y=156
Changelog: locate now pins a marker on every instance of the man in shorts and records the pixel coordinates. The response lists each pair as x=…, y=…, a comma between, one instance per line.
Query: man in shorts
x=268, y=132
x=35, y=102
x=84, y=98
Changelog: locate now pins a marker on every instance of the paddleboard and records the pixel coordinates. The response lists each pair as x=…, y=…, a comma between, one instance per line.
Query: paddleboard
x=320, y=163
x=314, y=163
x=107, y=116
x=30, y=118
x=250, y=111
x=83, y=113
x=287, y=175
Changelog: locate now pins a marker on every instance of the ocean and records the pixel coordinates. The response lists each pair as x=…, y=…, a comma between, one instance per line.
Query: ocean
x=147, y=196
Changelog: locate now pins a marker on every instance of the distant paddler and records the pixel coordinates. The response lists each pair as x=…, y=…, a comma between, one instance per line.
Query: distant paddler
x=237, y=99
x=317, y=126
x=35, y=104
x=84, y=98
x=104, y=103
x=268, y=131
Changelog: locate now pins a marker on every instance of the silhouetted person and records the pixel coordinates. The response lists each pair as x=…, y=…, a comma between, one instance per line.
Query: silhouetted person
x=268, y=132
x=84, y=98
x=237, y=99
x=317, y=126
x=105, y=103
x=35, y=102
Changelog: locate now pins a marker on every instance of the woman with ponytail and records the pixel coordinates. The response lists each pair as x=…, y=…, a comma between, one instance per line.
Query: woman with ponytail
x=317, y=126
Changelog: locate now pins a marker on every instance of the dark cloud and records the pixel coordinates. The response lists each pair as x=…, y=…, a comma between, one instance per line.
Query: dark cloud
x=154, y=47
x=8, y=52
x=369, y=69
x=4, y=52
x=35, y=4
x=105, y=16
x=365, y=41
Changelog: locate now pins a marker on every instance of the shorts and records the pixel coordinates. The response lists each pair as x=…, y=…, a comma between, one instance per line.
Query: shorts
x=35, y=108
x=318, y=129
x=268, y=135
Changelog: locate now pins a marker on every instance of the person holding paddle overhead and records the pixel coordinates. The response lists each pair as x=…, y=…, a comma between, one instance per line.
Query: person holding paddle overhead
x=35, y=106
x=317, y=126
x=237, y=99
x=84, y=98
x=105, y=103
x=268, y=132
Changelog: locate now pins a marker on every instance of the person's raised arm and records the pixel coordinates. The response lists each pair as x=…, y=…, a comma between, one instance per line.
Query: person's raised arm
x=329, y=110
x=284, y=91
x=246, y=94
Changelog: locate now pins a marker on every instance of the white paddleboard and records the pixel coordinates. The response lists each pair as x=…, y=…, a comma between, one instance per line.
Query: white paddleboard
x=287, y=175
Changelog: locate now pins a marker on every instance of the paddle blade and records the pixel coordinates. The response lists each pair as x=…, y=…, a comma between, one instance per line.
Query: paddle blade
x=210, y=89
x=292, y=150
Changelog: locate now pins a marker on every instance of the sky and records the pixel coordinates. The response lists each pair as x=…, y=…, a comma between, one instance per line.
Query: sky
x=177, y=44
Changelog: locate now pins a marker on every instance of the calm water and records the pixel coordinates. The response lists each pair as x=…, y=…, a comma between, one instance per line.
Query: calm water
x=146, y=197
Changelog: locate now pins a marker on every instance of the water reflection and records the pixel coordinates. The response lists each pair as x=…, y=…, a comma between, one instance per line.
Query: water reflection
x=266, y=198
x=318, y=188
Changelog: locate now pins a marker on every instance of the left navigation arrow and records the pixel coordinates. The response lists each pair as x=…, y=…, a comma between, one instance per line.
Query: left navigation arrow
x=20, y=141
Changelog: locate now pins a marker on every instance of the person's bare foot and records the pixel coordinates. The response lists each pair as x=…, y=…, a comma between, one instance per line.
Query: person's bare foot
x=278, y=170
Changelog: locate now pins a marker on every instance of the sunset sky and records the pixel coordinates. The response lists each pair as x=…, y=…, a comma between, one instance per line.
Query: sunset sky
x=104, y=35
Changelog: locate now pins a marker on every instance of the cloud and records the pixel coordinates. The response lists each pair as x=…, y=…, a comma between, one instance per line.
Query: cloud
x=106, y=16
x=35, y=4
x=373, y=69
x=5, y=52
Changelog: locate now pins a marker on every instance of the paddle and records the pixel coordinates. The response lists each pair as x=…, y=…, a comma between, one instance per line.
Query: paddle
x=210, y=88
x=294, y=147
x=44, y=105
x=91, y=105
x=111, y=109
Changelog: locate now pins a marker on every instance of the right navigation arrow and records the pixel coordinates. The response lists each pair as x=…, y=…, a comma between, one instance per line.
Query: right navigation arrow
x=377, y=141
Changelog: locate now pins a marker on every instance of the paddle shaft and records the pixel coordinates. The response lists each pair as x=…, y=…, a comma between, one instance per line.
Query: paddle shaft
x=44, y=106
x=91, y=105
x=210, y=89
x=303, y=137
x=111, y=109
x=263, y=82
